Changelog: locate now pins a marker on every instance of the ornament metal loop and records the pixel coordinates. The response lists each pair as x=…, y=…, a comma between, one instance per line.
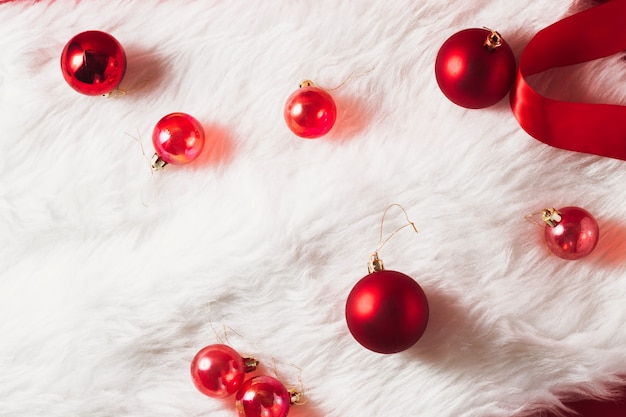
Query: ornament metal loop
x=157, y=163
x=307, y=83
x=382, y=222
x=375, y=264
x=295, y=396
x=249, y=364
x=115, y=93
x=551, y=216
x=493, y=41
x=532, y=218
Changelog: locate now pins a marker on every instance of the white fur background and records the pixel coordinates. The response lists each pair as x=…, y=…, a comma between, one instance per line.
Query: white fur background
x=104, y=301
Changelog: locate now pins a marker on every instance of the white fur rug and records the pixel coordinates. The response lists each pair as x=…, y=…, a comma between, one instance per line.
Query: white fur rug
x=105, y=301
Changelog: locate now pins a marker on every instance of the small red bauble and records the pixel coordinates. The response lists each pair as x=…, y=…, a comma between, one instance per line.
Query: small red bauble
x=93, y=63
x=263, y=396
x=475, y=68
x=178, y=139
x=387, y=311
x=310, y=112
x=218, y=370
x=570, y=232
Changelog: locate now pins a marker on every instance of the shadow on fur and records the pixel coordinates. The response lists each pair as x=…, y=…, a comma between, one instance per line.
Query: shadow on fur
x=352, y=118
x=218, y=147
x=144, y=72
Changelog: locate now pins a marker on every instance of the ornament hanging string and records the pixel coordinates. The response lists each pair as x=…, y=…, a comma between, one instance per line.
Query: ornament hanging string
x=223, y=336
x=382, y=222
x=120, y=91
x=549, y=216
x=597, y=129
x=150, y=181
x=375, y=263
x=387, y=311
x=532, y=218
x=350, y=77
x=353, y=74
x=297, y=396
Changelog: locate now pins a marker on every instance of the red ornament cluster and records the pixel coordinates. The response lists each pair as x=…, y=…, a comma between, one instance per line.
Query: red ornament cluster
x=218, y=371
x=94, y=63
x=386, y=311
x=476, y=68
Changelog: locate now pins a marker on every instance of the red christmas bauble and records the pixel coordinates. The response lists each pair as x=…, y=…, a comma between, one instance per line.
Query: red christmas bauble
x=218, y=370
x=310, y=112
x=475, y=68
x=387, y=311
x=574, y=236
x=262, y=396
x=93, y=63
x=178, y=138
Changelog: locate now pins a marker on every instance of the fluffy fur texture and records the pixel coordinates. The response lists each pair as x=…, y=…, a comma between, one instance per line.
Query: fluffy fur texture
x=104, y=301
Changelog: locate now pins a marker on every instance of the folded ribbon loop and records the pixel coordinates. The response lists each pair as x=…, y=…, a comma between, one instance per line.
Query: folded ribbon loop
x=598, y=129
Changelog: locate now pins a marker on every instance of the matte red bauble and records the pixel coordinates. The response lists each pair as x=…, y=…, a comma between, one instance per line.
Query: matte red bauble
x=263, y=396
x=570, y=232
x=475, y=68
x=387, y=311
x=310, y=112
x=178, y=139
x=93, y=63
x=218, y=370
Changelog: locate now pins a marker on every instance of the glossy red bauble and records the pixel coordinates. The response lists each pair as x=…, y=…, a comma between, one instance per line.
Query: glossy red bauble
x=263, y=396
x=93, y=63
x=574, y=236
x=178, y=138
x=310, y=112
x=387, y=311
x=475, y=68
x=218, y=370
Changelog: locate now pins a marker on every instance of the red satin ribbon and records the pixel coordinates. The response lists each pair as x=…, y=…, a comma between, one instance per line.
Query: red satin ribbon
x=595, y=408
x=582, y=127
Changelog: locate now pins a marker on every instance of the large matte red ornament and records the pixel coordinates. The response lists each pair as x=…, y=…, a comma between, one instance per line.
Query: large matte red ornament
x=310, y=112
x=475, y=68
x=570, y=232
x=218, y=370
x=178, y=139
x=263, y=396
x=387, y=311
x=93, y=63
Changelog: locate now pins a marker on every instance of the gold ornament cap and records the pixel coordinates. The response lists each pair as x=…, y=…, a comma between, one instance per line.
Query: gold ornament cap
x=493, y=41
x=249, y=364
x=551, y=217
x=295, y=397
x=157, y=163
x=375, y=264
